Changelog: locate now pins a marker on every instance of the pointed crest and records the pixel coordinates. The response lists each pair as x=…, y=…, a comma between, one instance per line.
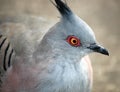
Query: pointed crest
x=62, y=7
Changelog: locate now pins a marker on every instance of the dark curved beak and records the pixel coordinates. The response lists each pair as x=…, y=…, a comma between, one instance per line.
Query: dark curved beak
x=99, y=49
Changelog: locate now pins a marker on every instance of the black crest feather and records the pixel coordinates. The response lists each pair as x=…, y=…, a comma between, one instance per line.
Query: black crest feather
x=63, y=8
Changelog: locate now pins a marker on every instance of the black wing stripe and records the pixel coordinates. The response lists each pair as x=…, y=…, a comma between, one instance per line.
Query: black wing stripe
x=0, y=36
x=2, y=42
x=10, y=56
x=5, y=54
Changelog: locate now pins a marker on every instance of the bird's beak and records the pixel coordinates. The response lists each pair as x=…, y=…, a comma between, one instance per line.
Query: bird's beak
x=99, y=49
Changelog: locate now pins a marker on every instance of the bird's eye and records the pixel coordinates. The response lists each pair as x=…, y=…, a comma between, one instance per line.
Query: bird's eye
x=73, y=40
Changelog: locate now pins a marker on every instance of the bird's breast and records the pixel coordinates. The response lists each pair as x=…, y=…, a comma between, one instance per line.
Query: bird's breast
x=67, y=77
x=62, y=77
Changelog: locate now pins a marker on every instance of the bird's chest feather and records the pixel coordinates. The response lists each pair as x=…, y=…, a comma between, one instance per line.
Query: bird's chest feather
x=67, y=78
x=56, y=78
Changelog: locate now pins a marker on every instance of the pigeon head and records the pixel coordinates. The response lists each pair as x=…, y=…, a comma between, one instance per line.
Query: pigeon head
x=71, y=35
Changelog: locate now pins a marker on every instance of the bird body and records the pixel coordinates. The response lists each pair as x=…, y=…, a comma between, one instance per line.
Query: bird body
x=57, y=62
x=57, y=77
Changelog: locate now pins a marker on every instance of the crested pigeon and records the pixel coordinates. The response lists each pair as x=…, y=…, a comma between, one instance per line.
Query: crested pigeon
x=58, y=62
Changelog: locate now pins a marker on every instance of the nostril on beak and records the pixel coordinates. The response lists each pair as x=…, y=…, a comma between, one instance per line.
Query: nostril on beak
x=99, y=49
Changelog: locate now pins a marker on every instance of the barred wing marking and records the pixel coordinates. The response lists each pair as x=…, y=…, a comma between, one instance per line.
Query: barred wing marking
x=6, y=53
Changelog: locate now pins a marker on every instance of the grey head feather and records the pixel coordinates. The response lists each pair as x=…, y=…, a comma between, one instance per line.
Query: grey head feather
x=64, y=10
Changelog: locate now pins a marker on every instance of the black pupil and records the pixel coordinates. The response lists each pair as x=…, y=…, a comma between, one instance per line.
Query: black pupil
x=74, y=41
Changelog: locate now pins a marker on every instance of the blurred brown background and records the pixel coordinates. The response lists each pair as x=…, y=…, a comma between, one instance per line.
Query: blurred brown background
x=104, y=18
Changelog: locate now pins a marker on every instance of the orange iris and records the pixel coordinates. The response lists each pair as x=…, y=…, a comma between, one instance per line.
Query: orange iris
x=74, y=41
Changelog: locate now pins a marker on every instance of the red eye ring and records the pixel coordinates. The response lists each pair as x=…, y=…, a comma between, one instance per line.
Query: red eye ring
x=73, y=40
